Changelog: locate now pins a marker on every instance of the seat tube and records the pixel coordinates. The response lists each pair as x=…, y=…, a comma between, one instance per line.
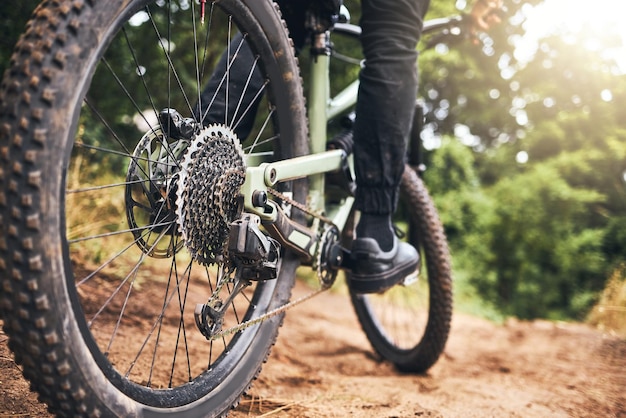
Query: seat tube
x=319, y=96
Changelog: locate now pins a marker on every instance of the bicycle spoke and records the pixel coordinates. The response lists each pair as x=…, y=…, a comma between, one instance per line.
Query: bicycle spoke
x=117, y=290
x=223, y=80
x=209, y=22
x=103, y=187
x=141, y=74
x=106, y=125
x=169, y=61
x=105, y=264
x=130, y=97
x=124, y=231
x=153, y=328
x=256, y=142
x=254, y=99
x=119, y=318
x=126, y=152
x=181, y=324
x=181, y=327
x=196, y=58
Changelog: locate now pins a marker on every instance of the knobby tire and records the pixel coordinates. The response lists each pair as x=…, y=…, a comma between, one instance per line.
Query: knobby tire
x=78, y=283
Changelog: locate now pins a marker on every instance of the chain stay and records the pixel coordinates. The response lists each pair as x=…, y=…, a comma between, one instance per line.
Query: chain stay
x=300, y=206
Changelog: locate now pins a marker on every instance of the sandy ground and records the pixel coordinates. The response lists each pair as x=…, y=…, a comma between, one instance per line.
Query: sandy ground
x=323, y=366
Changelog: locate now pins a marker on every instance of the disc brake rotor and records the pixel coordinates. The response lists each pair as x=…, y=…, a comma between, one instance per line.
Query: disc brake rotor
x=148, y=193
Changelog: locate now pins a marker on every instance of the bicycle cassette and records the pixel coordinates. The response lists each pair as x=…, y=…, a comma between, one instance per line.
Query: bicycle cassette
x=207, y=198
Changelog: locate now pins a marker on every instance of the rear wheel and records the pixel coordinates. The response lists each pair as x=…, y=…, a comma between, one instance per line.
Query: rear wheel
x=114, y=219
x=408, y=324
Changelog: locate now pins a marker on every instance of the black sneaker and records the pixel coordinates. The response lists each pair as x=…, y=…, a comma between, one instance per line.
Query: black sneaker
x=375, y=270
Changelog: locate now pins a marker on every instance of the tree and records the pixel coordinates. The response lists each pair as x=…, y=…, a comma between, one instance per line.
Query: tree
x=526, y=157
x=549, y=229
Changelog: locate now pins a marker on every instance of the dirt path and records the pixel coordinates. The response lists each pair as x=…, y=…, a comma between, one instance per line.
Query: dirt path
x=322, y=366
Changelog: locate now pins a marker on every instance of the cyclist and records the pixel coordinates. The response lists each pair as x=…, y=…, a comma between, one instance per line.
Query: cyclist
x=386, y=101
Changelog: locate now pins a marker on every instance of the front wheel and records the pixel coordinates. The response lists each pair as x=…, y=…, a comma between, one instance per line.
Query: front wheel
x=408, y=324
x=106, y=248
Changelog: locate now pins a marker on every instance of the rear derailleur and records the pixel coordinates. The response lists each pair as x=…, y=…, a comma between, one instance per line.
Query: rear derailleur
x=252, y=256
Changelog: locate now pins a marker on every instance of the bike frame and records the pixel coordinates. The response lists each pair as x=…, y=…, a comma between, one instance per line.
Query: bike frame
x=260, y=176
x=322, y=107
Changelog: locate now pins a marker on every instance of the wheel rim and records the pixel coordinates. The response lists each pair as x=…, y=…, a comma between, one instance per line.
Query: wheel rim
x=400, y=314
x=135, y=284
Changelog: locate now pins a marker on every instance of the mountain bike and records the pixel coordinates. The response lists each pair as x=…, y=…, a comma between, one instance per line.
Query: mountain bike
x=148, y=257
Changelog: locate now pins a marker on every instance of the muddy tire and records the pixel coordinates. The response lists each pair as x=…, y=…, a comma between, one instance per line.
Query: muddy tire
x=409, y=324
x=99, y=315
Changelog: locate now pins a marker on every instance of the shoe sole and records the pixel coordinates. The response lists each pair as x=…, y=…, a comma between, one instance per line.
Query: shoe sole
x=363, y=283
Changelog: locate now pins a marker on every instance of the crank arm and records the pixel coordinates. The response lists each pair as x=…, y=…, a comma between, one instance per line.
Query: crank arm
x=298, y=238
x=303, y=240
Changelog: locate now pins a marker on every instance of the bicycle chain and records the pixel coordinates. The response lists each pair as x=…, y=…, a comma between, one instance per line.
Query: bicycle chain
x=299, y=206
x=216, y=152
x=277, y=311
x=317, y=215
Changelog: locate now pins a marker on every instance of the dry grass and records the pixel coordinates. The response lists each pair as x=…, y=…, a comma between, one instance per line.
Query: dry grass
x=609, y=315
x=258, y=407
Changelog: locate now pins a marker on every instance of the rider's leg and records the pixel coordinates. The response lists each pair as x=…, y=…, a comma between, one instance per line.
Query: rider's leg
x=213, y=100
x=391, y=30
x=241, y=65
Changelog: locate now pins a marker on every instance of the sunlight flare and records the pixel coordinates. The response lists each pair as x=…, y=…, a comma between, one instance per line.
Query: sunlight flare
x=594, y=26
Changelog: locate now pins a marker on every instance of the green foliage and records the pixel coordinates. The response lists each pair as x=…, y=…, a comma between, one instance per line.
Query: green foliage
x=453, y=181
x=13, y=18
x=540, y=237
x=536, y=238
x=541, y=253
x=524, y=243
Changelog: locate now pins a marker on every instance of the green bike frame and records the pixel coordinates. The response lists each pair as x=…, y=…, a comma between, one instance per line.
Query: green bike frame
x=263, y=175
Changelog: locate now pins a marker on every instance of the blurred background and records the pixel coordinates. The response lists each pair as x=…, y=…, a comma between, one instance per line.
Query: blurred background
x=525, y=156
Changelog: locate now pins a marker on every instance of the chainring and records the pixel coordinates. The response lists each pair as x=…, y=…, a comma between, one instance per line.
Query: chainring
x=207, y=197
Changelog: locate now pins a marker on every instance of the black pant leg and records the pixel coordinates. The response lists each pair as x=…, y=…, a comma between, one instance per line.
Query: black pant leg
x=386, y=103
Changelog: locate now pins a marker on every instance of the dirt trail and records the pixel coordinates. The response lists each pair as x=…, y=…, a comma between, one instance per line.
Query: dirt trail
x=322, y=366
